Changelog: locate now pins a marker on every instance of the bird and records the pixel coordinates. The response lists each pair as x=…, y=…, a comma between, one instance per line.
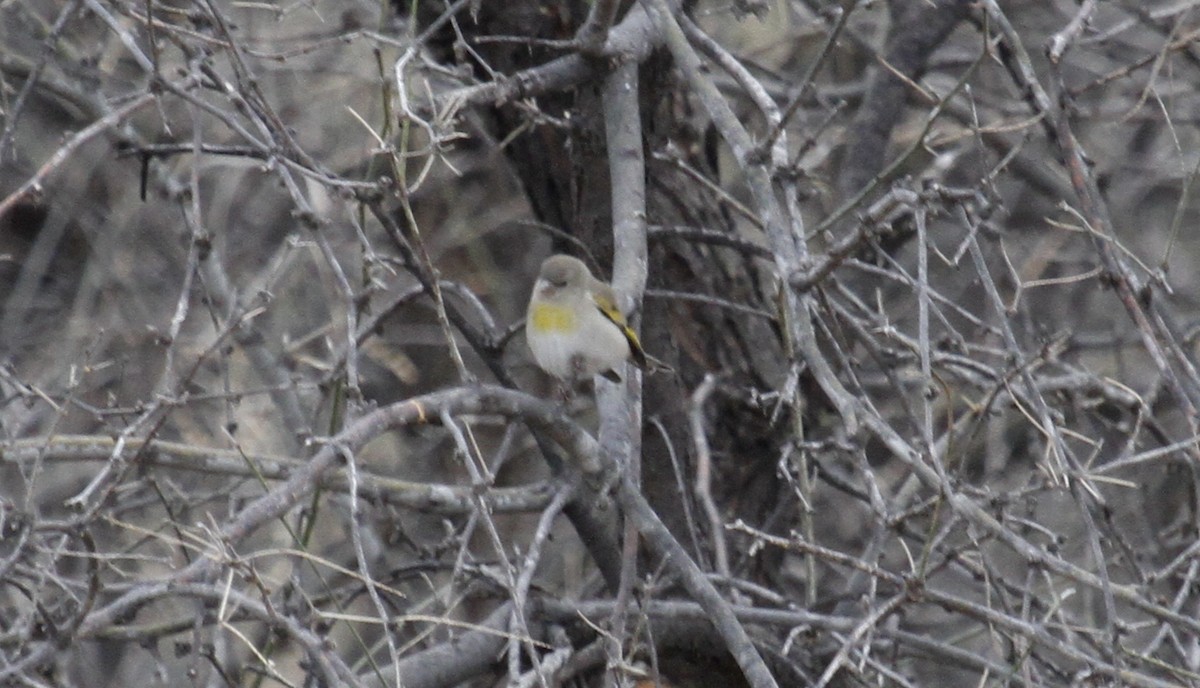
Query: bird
x=574, y=327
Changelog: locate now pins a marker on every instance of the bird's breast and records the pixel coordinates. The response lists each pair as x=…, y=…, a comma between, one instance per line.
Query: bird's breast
x=545, y=317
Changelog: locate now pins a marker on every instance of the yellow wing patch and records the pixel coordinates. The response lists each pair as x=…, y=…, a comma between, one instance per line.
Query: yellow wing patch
x=549, y=318
x=609, y=309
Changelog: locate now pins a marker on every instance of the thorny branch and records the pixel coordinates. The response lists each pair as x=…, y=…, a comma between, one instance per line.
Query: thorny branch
x=266, y=415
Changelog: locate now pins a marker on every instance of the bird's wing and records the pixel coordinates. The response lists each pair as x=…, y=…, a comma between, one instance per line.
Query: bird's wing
x=606, y=303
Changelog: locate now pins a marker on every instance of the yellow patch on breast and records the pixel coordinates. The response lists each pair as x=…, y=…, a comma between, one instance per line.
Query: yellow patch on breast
x=549, y=318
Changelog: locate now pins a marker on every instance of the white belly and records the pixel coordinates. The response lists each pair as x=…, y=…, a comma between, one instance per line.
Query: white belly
x=570, y=355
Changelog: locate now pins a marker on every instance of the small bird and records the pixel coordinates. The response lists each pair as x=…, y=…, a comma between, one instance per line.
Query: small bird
x=574, y=327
